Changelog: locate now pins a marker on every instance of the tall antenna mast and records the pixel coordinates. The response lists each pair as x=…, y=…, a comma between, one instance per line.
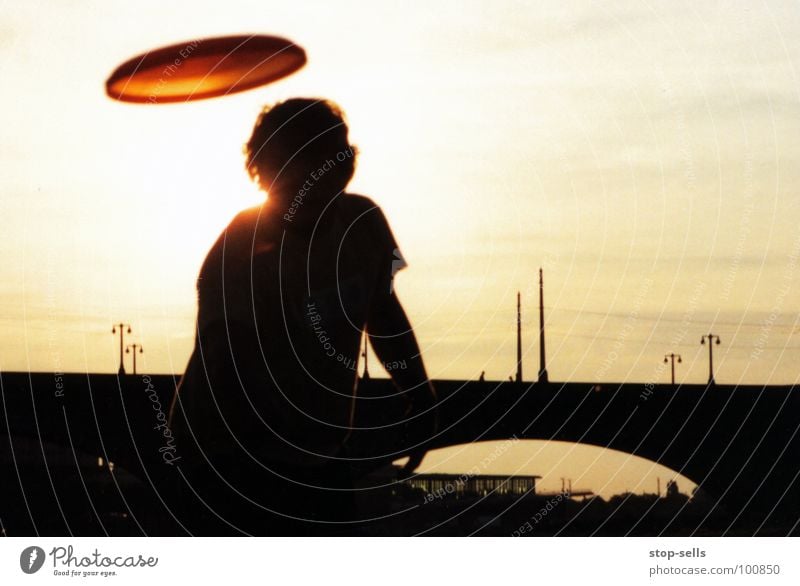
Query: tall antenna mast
x=542, y=365
x=519, y=340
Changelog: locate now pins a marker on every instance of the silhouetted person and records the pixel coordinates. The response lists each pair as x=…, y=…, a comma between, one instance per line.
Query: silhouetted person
x=267, y=400
x=672, y=489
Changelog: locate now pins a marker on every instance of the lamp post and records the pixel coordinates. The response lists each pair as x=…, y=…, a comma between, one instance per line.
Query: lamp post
x=671, y=358
x=711, y=341
x=518, y=377
x=131, y=349
x=122, y=327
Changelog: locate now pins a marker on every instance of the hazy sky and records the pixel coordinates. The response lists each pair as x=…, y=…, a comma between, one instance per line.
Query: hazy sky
x=646, y=154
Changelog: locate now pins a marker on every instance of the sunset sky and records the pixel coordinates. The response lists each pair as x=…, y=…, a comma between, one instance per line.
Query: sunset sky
x=645, y=154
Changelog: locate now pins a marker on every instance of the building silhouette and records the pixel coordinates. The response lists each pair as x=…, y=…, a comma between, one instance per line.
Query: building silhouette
x=463, y=485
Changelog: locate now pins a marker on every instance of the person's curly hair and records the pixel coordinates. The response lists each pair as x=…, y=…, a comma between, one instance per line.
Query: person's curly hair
x=295, y=138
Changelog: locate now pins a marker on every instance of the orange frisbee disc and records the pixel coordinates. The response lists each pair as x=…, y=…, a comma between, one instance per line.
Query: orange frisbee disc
x=204, y=68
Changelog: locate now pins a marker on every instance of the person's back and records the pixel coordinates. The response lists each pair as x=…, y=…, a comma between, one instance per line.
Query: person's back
x=284, y=296
x=285, y=310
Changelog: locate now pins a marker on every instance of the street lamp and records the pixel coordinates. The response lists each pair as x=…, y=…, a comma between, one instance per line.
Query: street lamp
x=121, y=342
x=671, y=358
x=711, y=341
x=132, y=349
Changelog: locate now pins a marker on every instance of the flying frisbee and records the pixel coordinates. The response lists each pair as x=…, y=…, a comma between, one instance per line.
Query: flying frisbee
x=204, y=68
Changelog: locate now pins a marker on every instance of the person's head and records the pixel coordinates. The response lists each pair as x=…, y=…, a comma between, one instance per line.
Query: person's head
x=299, y=151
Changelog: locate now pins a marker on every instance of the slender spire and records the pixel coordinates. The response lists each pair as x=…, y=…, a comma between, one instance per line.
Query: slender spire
x=542, y=364
x=519, y=339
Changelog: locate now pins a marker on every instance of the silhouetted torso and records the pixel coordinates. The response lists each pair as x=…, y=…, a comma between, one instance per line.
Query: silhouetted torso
x=282, y=306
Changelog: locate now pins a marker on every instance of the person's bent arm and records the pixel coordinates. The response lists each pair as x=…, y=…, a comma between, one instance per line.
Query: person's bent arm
x=394, y=343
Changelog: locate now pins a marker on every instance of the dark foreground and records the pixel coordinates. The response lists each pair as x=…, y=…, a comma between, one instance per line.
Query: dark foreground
x=740, y=444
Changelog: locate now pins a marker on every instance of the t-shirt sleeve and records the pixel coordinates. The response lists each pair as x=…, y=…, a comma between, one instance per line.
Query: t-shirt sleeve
x=390, y=259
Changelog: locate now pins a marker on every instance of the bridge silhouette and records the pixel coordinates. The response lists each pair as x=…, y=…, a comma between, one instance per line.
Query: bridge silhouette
x=739, y=444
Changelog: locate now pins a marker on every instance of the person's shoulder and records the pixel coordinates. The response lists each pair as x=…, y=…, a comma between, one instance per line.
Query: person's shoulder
x=358, y=202
x=371, y=218
x=247, y=219
x=244, y=226
x=236, y=235
x=363, y=207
